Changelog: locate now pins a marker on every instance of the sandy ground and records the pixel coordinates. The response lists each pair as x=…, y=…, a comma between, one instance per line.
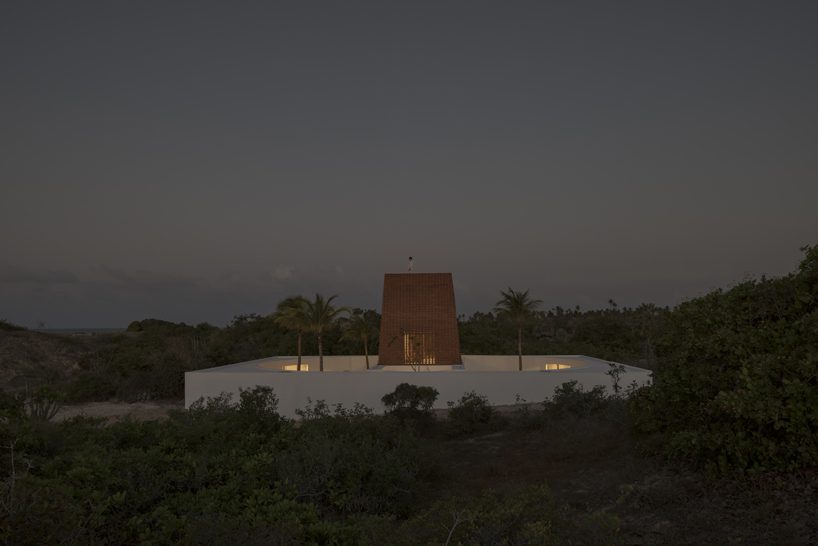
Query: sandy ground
x=117, y=411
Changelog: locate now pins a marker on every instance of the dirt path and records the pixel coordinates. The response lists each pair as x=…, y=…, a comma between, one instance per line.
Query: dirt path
x=114, y=411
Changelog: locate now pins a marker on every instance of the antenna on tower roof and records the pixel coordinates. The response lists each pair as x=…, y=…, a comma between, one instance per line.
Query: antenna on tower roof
x=411, y=264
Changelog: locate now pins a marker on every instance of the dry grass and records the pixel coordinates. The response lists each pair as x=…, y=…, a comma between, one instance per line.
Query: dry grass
x=592, y=464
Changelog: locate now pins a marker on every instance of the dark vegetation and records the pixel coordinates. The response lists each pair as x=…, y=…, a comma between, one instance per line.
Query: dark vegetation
x=9, y=327
x=148, y=361
x=737, y=388
x=721, y=449
x=340, y=476
x=235, y=472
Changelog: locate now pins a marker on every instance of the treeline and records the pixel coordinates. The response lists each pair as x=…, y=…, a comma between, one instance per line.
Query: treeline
x=623, y=334
x=148, y=361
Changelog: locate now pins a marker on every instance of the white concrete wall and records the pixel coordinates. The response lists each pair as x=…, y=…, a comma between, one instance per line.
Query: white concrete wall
x=509, y=363
x=492, y=363
x=486, y=375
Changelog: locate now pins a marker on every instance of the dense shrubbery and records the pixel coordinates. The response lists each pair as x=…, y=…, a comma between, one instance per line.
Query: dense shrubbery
x=738, y=386
x=411, y=403
x=571, y=399
x=472, y=413
x=224, y=467
x=236, y=472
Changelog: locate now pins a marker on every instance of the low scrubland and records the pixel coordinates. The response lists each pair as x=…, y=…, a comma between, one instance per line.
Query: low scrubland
x=566, y=471
x=722, y=448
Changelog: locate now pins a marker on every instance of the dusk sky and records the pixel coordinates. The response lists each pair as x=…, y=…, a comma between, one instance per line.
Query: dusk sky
x=193, y=161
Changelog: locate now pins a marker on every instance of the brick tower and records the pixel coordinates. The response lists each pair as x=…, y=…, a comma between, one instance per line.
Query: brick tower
x=418, y=320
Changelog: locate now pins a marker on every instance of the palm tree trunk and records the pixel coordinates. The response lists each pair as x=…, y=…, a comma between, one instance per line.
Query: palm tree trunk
x=520, y=348
x=366, y=352
x=298, y=366
x=320, y=353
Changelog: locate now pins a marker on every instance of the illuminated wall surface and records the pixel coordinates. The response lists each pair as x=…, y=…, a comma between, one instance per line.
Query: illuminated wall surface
x=418, y=320
x=346, y=380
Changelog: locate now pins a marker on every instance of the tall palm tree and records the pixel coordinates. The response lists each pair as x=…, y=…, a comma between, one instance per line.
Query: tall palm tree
x=517, y=307
x=291, y=314
x=320, y=317
x=359, y=328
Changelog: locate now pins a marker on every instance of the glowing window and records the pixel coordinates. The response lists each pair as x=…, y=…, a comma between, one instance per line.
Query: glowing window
x=419, y=349
x=556, y=366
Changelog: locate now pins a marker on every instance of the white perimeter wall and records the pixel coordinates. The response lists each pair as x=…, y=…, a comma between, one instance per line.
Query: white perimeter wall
x=492, y=376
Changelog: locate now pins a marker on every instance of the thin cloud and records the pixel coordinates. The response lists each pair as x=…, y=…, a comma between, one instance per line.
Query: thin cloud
x=12, y=274
x=149, y=279
x=283, y=273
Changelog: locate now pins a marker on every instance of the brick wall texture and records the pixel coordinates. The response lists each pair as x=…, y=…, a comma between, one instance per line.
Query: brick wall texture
x=418, y=320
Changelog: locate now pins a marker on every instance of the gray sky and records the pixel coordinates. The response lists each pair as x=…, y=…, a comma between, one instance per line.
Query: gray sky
x=198, y=160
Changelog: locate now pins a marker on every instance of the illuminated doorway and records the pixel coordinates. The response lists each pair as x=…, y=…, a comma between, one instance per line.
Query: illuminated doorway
x=419, y=349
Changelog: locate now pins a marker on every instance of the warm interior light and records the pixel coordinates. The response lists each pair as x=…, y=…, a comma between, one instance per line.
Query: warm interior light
x=294, y=367
x=556, y=366
x=418, y=349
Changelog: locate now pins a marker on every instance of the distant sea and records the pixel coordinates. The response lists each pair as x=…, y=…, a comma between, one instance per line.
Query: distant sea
x=79, y=331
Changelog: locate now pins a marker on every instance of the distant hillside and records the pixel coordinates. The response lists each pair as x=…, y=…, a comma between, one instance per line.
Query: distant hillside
x=35, y=358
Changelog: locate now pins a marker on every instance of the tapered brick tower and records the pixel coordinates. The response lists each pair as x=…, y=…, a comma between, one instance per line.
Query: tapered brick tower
x=418, y=320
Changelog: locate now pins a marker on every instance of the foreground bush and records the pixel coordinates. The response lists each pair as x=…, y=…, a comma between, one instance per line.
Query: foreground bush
x=233, y=471
x=571, y=399
x=472, y=413
x=411, y=403
x=738, y=391
x=217, y=472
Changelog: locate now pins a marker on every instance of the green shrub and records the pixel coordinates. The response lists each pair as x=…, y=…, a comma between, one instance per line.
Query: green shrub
x=571, y=399
x=738, y=391
x=411, y=402
x=43, y=404
x=470, y=414
x=90, y=385
x=349, y=461
x=11, y=406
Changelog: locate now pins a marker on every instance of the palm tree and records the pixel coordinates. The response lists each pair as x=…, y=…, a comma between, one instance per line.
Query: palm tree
x=291, y=314
x=320, y=316
x=359, y=328
x=517, y=307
